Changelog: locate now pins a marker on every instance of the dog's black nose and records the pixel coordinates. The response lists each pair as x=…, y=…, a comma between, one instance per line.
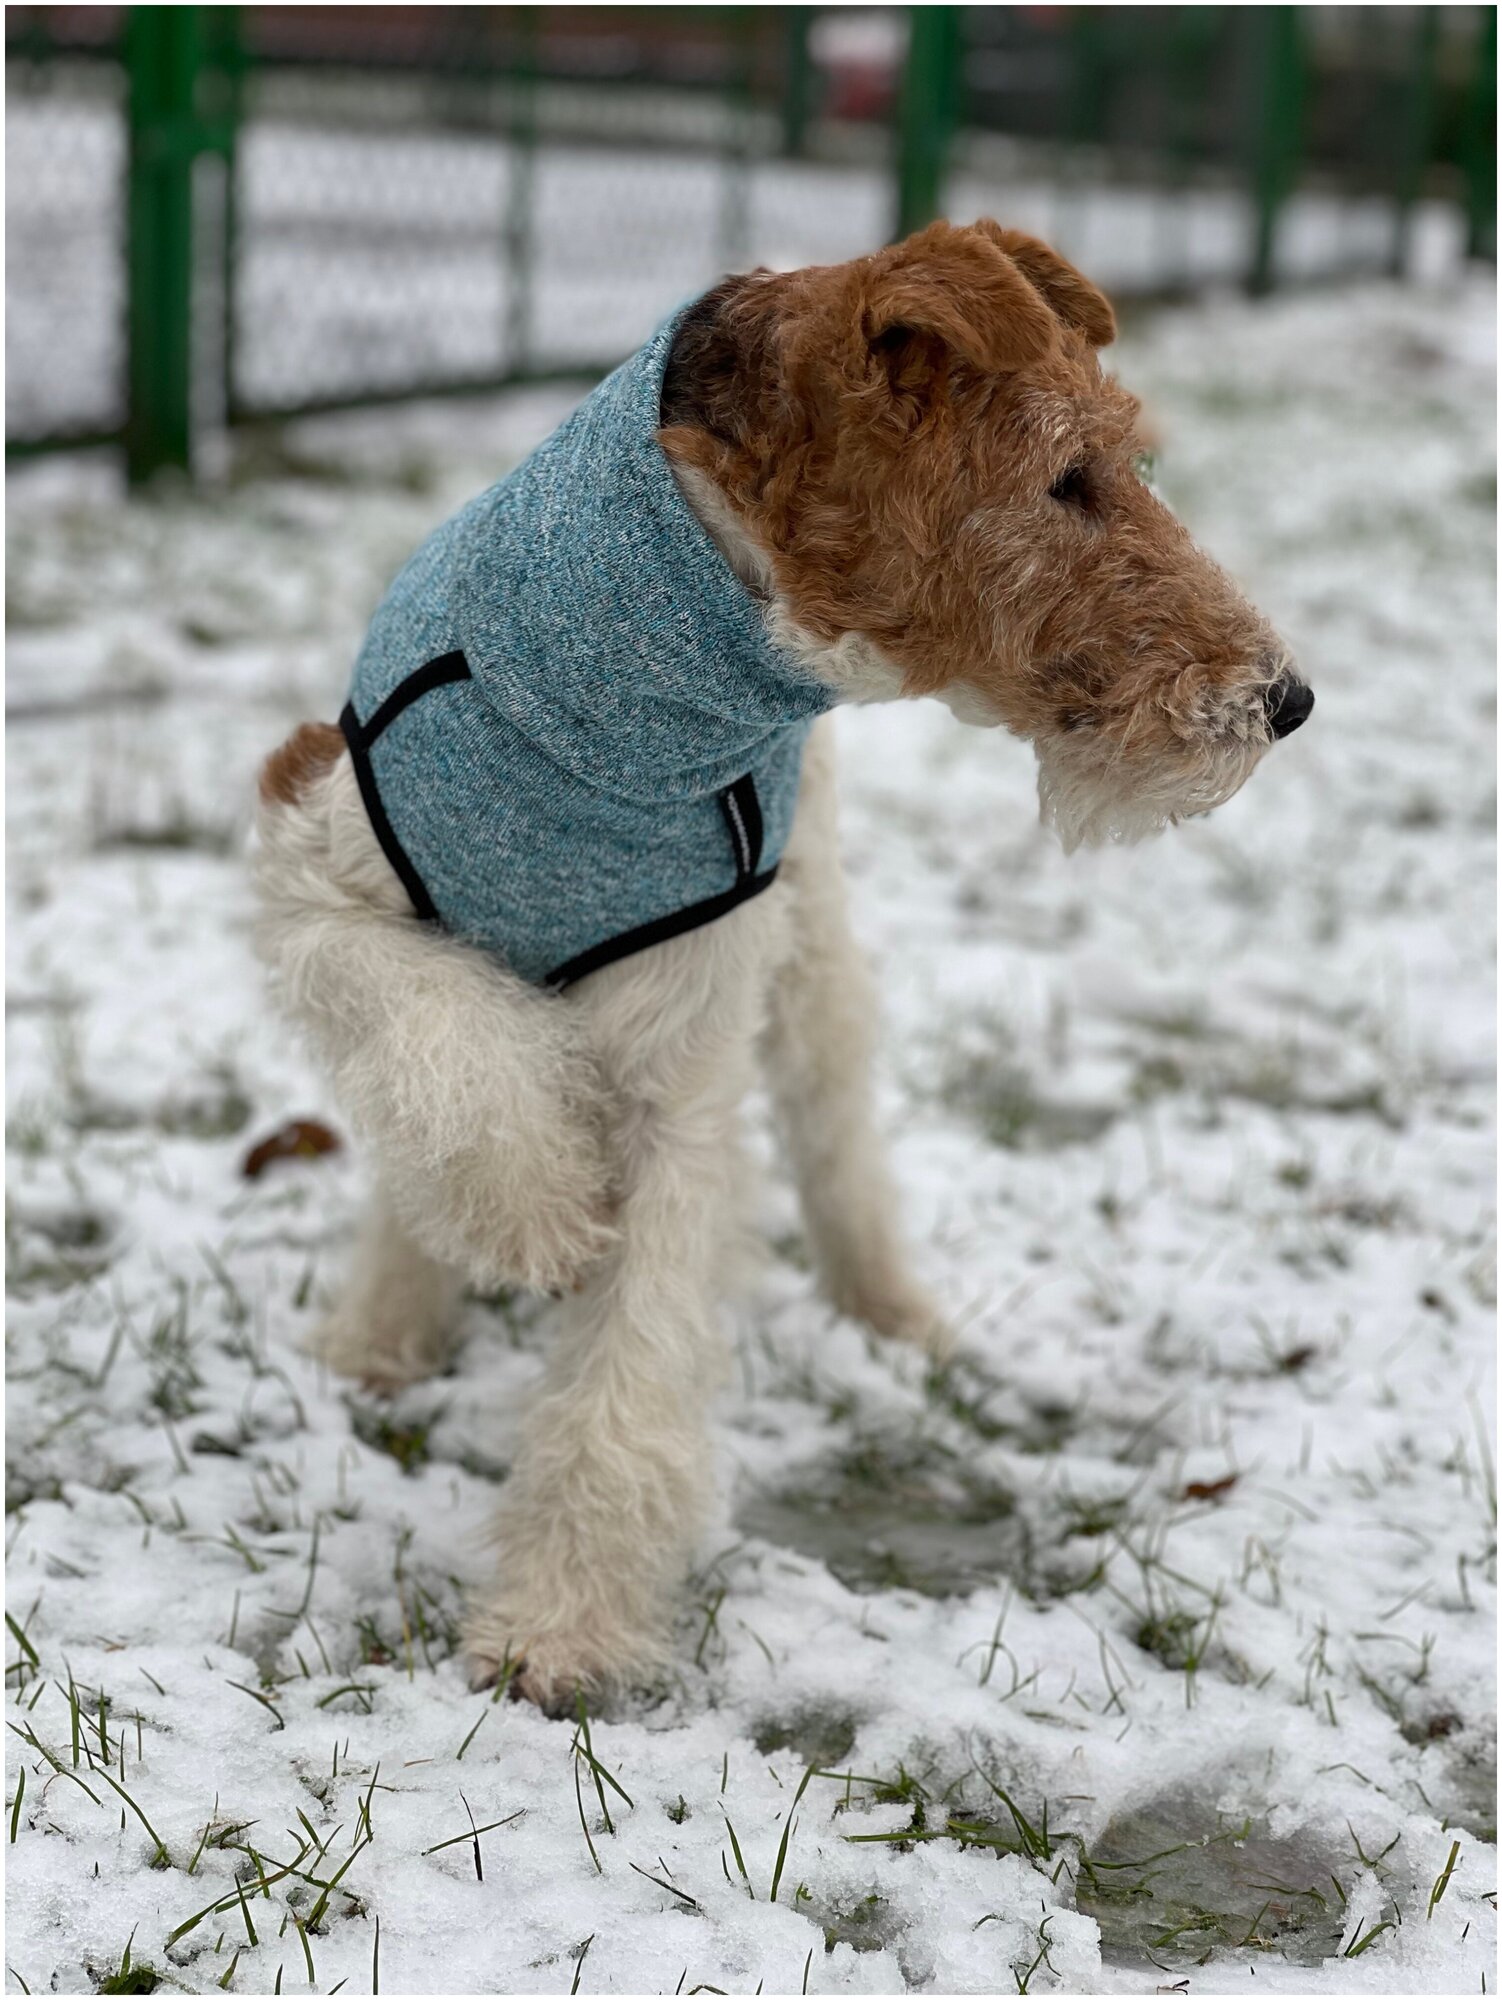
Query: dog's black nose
x=1288, y=704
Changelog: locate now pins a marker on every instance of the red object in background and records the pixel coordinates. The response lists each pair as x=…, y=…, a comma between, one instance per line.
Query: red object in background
x=860, y=55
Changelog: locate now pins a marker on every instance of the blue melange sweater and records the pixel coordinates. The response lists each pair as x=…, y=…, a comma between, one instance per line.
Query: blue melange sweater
x=572, y=732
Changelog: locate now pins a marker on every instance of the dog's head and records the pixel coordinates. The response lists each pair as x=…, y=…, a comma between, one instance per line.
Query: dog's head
x=918, y=458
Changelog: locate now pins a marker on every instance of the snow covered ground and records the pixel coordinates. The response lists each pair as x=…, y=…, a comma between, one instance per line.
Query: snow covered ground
x=1146, y=1647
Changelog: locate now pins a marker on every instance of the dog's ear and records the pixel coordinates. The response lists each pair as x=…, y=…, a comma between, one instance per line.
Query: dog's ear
x=957, y=290
x=1072, y=296
x=719, y=366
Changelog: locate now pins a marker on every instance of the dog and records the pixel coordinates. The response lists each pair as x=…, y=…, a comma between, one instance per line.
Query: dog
x=902, y=476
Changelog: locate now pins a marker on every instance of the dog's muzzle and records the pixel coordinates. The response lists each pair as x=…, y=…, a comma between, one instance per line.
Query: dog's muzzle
x=1288, y=703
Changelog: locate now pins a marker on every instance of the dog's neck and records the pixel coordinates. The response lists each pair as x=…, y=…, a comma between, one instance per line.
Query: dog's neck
x=852, y=666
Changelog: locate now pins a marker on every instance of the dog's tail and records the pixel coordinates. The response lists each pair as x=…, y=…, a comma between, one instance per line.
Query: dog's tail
x=294, y=768
x=478, y=1092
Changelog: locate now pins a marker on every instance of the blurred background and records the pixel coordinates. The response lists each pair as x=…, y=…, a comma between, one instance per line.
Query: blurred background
x=220, y=216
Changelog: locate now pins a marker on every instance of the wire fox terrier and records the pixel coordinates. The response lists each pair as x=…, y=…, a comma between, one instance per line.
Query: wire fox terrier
x=569, y=863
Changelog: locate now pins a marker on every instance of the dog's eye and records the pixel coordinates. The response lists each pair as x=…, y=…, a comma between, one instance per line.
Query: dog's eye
x=1071, y=489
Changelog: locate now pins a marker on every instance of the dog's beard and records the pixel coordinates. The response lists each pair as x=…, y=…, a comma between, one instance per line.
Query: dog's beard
x=1091, y=797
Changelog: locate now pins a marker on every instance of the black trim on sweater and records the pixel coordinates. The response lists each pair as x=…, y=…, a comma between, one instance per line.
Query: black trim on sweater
x=738, y=803
x=660, y=930
x=360, y=735
x=437, y=673
x=358, y=740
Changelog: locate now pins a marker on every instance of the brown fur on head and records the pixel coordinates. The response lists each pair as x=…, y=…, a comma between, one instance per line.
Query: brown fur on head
x=925, y=450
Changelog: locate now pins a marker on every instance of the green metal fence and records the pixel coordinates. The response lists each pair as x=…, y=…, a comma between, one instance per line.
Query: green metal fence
x=221, y=216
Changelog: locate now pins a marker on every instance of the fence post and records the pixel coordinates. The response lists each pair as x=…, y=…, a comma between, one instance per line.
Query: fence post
x=797, y=79
x=1479, y=144
x=164, y=54
x=734, y=249
x=1279, y=131
x=1089, y=78
x=927, y=111
x=224, y=89
x=518, y=243
x=1416, y=136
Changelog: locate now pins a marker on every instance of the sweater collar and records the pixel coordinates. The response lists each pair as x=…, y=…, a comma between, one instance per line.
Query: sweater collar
x=647, y=668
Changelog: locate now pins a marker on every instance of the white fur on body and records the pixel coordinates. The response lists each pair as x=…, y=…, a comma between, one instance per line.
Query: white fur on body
x=585, y=1140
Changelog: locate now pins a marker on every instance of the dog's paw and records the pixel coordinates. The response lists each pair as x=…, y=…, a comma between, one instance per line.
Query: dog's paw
x=550, y=1668
x=382, y=1350
x=904, y=1311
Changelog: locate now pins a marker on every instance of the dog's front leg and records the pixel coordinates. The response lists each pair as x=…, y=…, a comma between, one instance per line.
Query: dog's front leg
x=477, y=1093
x=818, y=1053
x=612, y=1478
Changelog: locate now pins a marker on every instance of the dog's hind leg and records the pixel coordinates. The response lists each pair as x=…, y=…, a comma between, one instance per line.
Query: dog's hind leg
x=394, y=1317
x=818, y=1050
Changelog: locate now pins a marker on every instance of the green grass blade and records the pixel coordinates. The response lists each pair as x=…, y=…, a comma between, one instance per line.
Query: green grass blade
x=787, y=1833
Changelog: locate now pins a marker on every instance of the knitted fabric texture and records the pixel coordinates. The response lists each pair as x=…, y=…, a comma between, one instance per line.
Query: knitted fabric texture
x=572, y=732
